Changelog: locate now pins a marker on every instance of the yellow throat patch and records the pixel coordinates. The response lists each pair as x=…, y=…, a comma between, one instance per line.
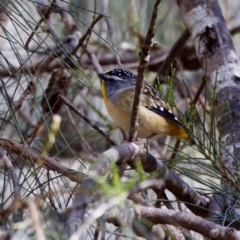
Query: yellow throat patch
x=104, y=93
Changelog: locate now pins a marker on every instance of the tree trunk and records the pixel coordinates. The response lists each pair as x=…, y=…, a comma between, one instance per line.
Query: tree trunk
x=213, y=44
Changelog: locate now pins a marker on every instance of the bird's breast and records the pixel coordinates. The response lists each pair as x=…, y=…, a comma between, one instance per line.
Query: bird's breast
x=120, y=115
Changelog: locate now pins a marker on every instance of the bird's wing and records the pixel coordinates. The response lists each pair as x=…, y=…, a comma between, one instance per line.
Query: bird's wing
x=152, y=100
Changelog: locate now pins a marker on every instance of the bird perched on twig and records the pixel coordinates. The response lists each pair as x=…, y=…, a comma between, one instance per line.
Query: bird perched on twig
x=155, y=116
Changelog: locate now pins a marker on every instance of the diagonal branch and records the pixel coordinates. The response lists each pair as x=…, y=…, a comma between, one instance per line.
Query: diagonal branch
x=86, y=119
x=48, y=162
x=127, y=153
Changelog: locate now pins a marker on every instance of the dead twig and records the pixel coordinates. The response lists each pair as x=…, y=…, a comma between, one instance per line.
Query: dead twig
x=45, y=16
x=113, y=41
x=48, y=162
x=12, y=173
x=82, y=39
x=143, y=61
x=86, y=119
x=16, y=188
x=36, y=219
x=84, y=144
x=176, y=48
x=127, y=153
x=188, y=221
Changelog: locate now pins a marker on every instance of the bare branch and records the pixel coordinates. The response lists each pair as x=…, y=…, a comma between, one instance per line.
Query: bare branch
x=113, y=41
x=12, y=173
x=44, y=17
x=143, y=61
x=127, y=153
x=188, y=221
x=176, y=48
x=82, y=39
x=85, y=118
x=36, y=219
x=48, y=162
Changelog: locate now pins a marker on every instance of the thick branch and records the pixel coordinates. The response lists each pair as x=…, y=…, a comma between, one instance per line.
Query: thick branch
x=188, y=221
x=48, y=162
x=178, y=219
x=127, y=153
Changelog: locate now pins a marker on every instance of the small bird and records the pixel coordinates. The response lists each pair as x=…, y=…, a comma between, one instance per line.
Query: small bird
x=155, y=116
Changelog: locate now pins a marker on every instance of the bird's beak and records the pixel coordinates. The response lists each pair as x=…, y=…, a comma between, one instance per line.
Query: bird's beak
x=101, y=75
x=105, y=77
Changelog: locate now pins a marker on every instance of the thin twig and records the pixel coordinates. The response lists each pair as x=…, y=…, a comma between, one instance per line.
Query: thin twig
x=82, y=39
x=143, y=61
x=36, y=220
x=194, y=101
x=18, y=216
x=115, y=233
x=12, y=174
x=113, y=41
x=176, y=48
x=175, y=149
x=50, y=163
x=17, y=105
x=85, y=145
x=85, y=118
x=203, y=84
x=162, y=198
x=45, y=16
x=94, y=60
x=96, y=232
x=235, y=30
x=89, y=34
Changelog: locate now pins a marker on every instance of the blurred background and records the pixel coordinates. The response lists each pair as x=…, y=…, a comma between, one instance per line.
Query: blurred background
x=58, y=47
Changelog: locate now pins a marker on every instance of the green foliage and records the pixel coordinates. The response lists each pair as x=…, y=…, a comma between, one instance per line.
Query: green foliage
x=114, y=186
x=159, y=86
x=169, y=95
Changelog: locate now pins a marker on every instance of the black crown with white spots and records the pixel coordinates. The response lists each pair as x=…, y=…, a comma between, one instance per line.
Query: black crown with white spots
x=121, y=73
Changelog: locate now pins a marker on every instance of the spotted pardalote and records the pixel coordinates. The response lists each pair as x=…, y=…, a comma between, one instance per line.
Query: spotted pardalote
x=155, y=116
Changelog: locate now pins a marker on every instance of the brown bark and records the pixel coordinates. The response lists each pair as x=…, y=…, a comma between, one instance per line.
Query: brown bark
x=188, y=221
x=213, y=42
